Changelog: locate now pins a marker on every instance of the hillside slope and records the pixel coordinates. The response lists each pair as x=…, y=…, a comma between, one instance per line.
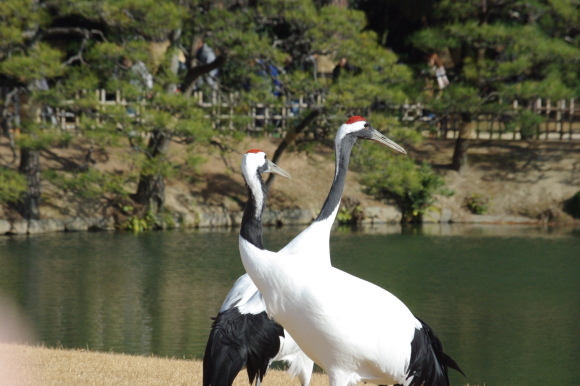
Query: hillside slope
x=523, y=182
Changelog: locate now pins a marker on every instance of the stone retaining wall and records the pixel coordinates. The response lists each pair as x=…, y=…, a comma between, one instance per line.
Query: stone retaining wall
x=214, y=217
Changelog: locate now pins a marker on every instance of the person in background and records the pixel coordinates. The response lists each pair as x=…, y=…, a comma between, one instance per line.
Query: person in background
x=311, y=65
x=139, y=77
x=439, y=70
x=343, y=65
x=206, y=55
x=144, y=78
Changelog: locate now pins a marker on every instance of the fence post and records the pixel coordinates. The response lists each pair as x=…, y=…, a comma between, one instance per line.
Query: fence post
x=559, y=125
x=548, y=111
x=515, y=107
x=571, y=117
x=537, y=110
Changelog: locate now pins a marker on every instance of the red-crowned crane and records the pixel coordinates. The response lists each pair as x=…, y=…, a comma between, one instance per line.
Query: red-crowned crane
x=233, y=342
x=242, y=334
x=355, y=330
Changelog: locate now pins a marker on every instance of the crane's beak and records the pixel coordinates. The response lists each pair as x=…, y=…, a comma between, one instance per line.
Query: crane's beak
x=378, y=137
x=273, y=168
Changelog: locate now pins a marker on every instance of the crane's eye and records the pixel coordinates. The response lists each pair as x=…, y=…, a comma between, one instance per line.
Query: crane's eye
x=366, y=126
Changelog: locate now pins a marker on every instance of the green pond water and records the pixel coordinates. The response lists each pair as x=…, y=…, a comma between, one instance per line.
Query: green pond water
x=505, y=301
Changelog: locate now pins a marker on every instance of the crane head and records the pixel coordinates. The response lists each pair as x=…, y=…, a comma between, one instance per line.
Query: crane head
x=360, y=128
x=255, y=161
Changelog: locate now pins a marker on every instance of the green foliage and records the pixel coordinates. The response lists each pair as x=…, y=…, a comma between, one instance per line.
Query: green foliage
x=516, y=49
x=12, y=186
x=150, y=18
x=137, y=222
x=396, y=177
x=40, y=62
x=497, y=55
x=477, y=203
x=165, y=220
x=458, y=98
x=351, y=212
x=528, y=123
x=34, y=138
x=16, y=16
x=90, y=185
x=344, y=216
x=405, y=136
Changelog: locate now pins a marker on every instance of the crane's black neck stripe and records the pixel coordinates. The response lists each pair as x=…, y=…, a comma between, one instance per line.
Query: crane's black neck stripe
x=342, y=159
x=251, y=229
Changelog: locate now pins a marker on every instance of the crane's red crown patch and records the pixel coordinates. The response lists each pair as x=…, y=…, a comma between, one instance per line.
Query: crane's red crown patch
x=355, y=118
x=254, y=151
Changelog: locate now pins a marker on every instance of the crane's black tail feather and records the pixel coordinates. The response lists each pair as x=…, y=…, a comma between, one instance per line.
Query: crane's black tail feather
x=428, y=364
x=237, y=340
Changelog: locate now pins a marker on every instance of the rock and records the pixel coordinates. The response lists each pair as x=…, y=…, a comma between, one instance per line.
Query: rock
x=76, y=224
x=100, y=223
x=432, y=216
x=297, y=216
x=53, y=225
x=288, y=217
x=35, y=226
x=189, y=220
x=446, y=215
x=4, y=227
x=382, y=215
x=236, y=218
x=437, y=215
x=19, y=227
x=269, y=217
x=497, y=219
x=216, y=218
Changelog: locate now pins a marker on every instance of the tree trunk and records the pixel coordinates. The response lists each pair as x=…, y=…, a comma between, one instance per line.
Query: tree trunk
x=151, y=189
x=289, y=139
x=194, y=73
x=29, y=113
x=30, y=167
x=459, y=161
x=460, y=154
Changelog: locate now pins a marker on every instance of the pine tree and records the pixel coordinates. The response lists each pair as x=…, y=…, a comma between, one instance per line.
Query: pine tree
x=503, y=50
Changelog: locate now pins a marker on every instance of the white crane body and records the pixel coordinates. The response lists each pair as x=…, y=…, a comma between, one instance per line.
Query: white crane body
x=355, y=330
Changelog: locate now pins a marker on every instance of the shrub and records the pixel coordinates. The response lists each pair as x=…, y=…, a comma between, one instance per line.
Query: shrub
x=12, y=185
x=477, y=204
x=528, y=123
x=351, y=212
x=397, y=178
x=89, y=185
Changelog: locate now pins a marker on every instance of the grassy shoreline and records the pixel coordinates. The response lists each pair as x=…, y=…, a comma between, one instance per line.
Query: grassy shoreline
x=22, y=365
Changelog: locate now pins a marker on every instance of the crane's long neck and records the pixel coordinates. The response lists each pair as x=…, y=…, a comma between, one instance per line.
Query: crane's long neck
x=330, y=207
x=251, y=229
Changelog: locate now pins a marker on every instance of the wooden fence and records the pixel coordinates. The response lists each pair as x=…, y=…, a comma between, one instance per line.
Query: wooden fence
x=561, y=119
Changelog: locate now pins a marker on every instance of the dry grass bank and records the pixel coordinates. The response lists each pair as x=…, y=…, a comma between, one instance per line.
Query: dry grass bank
x=26, y=365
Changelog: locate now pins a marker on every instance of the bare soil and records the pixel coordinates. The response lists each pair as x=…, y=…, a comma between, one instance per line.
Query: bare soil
x=519, y=178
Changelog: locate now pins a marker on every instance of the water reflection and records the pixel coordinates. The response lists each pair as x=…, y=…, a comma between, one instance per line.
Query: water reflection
x=504, y=300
